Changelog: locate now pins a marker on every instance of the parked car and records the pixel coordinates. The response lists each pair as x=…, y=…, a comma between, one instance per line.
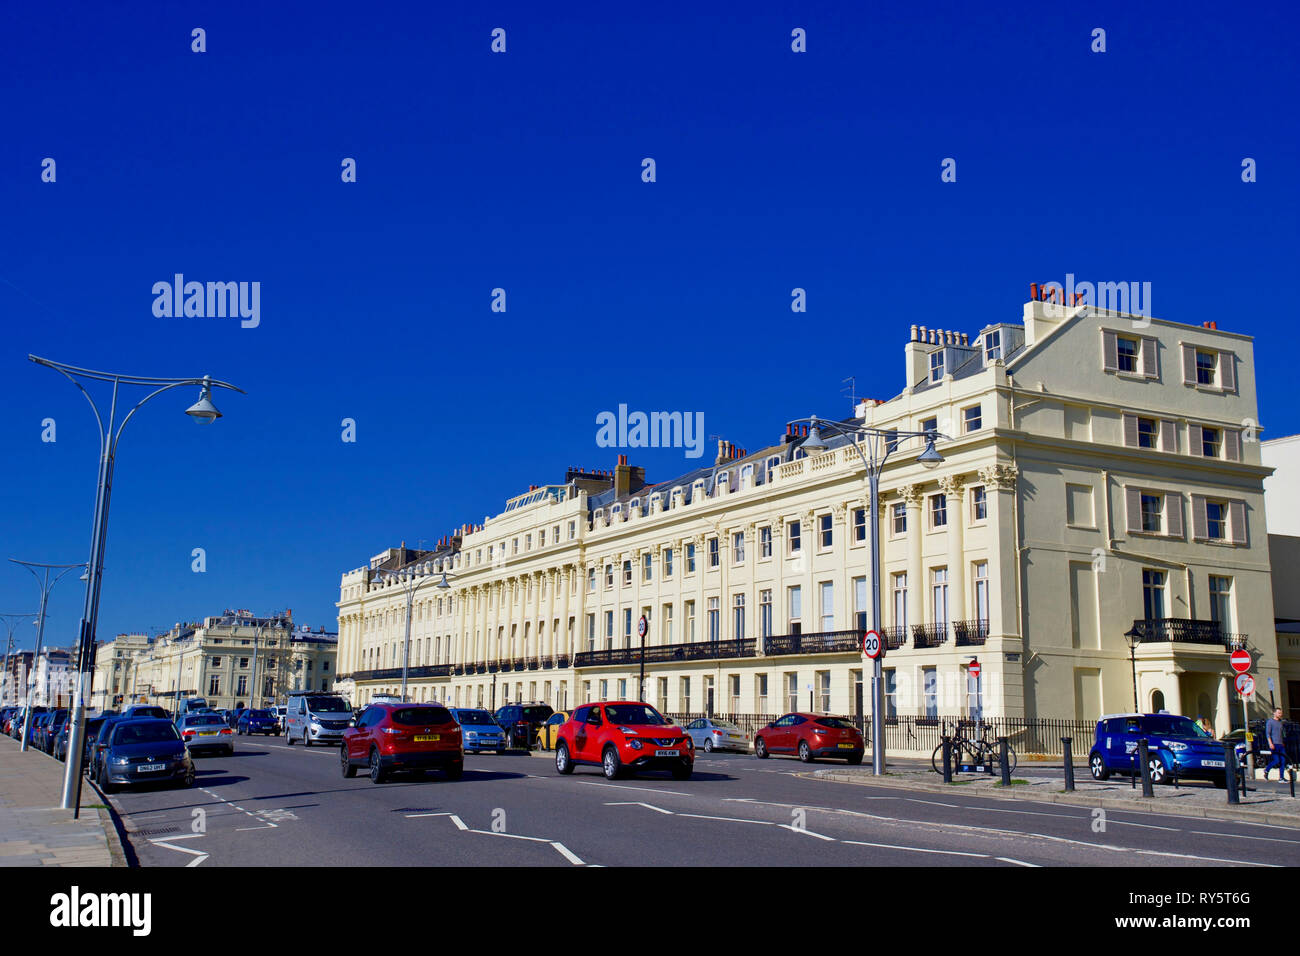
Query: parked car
x=1175, y=744
x=93, y=723
x=396, y=738
x=207, y=732
x=521, y=723
x=58, y=734
x=479, y=731
x=316, y=717
x=810, y=736
x=96, y=749
x=549, y=732
x=712, y=733
x=279, y=711
x=41, y=728
x=257, y=722
x=144, y=750
x=623, y=737
x=146, y=710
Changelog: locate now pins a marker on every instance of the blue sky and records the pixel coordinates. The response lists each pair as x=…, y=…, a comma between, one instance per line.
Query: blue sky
x=522, y=171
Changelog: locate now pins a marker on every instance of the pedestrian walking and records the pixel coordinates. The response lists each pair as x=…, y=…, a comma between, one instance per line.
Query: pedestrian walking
x=1205, y=725
x=1276, y=744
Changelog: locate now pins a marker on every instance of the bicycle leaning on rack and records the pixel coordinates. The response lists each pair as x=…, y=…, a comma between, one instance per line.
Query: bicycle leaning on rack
x=968, y=750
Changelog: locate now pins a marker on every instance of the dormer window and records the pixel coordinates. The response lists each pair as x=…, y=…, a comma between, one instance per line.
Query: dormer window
x=1207, y=364
x=772, y=462
x=634, y=505
x=1128, y=353
x=721, y=482
x=992, y=346
x=936, y=365
x=747, y=472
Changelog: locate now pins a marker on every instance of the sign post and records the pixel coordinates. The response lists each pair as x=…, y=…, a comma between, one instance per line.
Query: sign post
x=642, y=626
x=1246, y=688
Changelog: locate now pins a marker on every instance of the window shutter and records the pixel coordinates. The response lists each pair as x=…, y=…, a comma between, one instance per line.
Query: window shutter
x=1200, y=523
x=1130, y=431
x=1189, y=364
x=1109, y=351
x=1228, y=371
x=1237, y=522
x=1195, y=440
x=1168, y=435
x=1150, y=357
x=1173, y=514
x=1134, y=502
x=1232, y=444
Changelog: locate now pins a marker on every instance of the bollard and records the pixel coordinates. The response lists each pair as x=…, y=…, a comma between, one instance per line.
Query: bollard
x=1133, y=777
x=1144, y=757
x=1293, y=782
x=1003, y=764
x=1230, y=772
x=947, y=760
x=1066, y=742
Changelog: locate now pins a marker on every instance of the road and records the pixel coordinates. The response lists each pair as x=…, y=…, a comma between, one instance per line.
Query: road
x=271, y=804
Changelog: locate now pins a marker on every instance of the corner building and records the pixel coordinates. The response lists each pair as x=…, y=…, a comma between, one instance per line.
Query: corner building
x=1097, y=523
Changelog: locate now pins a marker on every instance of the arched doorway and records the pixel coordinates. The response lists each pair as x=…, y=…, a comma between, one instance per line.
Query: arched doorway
x=1157, y=701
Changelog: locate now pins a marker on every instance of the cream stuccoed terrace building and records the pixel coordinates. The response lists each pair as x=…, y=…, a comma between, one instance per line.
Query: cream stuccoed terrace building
x=1094, y=533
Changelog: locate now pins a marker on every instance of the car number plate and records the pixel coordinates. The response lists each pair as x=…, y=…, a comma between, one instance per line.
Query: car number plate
x=427, y=738
x=152, y=767
x=207, y=733
x=668, y=753
x=1211, y=763
x=846, y=746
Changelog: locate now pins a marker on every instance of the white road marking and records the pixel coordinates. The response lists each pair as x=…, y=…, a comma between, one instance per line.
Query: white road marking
x=1007, y=859
x=560, y=848
x=444, y=814
x=933, y=803
x=1129, y=823
x=568, y=854
x=916, y=849
x=806, y=832
x=616, y=786
x=648, y=806
x=199, y=855
x=460, y=824
x=1240, y=836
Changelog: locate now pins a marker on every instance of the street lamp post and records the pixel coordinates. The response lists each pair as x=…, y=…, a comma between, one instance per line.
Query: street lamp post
x=880, y=444
x=202, y=411
x=1134, y=639
x=46, y=585
x=411, y=582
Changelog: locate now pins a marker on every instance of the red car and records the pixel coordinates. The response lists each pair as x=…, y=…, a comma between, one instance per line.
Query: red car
x=395, y=738
x=810, y=736
x=623, y=736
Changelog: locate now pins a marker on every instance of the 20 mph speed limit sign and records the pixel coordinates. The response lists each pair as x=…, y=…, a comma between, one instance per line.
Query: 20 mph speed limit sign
x=872, y=645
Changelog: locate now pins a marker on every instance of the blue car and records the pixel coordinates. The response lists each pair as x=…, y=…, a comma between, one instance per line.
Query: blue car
x=478, y=730
x=1175, y=745
x=258, y=722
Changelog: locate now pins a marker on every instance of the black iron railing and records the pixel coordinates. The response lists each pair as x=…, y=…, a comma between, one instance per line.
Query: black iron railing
x=395, y=673
x=929, y=635
x=970, y=633
x=1028, y=735
x=667, y=653
x=818, y=642
x=1181, y=630
x=895, y=636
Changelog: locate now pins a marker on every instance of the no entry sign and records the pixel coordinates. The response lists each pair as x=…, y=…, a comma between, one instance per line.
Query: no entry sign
x=1240, y=661
x=974, y=668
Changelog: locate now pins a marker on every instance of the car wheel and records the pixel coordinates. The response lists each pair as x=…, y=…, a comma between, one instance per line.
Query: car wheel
x=288, y=738
x=377, y=774
x=188, y=780
x=760, y=748
x=610, y=764
x=1158, y=772
x=1097, y=764
x=455, y=771
x=306, y=738
x=708, y=745
x=345, y=764
x=103, y=782
x=805, y=752
x=562, y=762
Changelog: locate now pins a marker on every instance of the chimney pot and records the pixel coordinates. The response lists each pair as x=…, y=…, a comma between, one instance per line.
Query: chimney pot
x=1033, y=290
x=913, y=333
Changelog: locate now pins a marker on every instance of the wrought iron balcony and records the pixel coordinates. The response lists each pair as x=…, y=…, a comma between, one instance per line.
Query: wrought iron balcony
x=1183, y=630
x=818, y=642
x=970, y=633
x=895, y=636
x=929, y=635
x=666, y=653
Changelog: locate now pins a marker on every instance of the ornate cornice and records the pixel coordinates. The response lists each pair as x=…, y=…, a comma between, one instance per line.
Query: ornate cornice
x=999, y=477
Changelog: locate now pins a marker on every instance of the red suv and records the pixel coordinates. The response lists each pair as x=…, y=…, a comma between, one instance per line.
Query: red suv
x=394, y=738
x=810, y=736
x=623, y=736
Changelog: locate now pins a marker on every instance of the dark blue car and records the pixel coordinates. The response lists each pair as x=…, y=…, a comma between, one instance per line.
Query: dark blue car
x=1175, y=745
x=258, y=722
x=144, y=750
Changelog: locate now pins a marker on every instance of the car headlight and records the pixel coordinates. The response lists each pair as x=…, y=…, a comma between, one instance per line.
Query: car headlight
x=634, y=744
x=690, y=744
x=119, y=761
x=1174, y=745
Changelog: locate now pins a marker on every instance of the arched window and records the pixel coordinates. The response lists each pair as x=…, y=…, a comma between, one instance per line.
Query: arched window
x=1157, y=701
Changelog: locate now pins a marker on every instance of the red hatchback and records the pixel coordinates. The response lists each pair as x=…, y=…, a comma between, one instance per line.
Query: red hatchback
x=623, y=737
x=810, y=736
x=395, y=738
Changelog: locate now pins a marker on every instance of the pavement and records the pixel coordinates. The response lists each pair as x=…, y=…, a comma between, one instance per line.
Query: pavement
x=34, y=831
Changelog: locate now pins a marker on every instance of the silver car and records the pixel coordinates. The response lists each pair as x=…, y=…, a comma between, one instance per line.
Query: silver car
x=713, y=733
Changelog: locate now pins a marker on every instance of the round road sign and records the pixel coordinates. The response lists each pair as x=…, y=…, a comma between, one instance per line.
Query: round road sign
x=872, y=645
x=1240, y=661
x=1245, y=685
x=642, y=626
x=974, y=668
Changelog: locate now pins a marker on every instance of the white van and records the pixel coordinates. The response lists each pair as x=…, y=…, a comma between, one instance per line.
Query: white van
x=315, y=717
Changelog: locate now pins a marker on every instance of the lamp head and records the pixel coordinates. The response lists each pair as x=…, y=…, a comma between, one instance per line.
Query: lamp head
x=813, y=444
x=930, y=458
x=203, y=411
